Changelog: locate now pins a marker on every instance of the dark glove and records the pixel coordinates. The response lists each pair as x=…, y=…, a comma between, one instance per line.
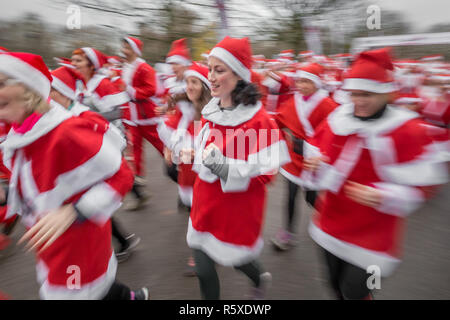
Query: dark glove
x=298, y=145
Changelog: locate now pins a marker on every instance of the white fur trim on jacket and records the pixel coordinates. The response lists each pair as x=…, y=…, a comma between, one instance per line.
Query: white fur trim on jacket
x=226, y=254
x=342, y=122
x=399, y=200
x=100, y=167
x=358, y=256
x=240, y=172
x=95, y=290
x=233, y=117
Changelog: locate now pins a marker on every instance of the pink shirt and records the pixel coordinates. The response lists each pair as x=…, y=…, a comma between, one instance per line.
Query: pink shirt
x=27, y=124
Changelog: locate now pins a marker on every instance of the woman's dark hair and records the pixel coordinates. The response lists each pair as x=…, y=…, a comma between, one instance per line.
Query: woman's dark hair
x=245, y=93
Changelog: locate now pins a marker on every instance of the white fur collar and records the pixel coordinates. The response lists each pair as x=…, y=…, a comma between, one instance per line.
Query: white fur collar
x=93, y=83
x=44, y=125
x=78, y=108
x=233, y=117
x=342, y=122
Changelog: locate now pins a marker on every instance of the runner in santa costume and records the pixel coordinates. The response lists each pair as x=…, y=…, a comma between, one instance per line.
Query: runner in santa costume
x=141, y=119
x=279, y=88
x=236, y=152
x=96, y=90
x=8, y=224
x=180, y=60
x=63, y=92
x=67, y=178
x=178, y=133
x=376, y=164
x=300, y=115
x=5, y=175
x=436, y=107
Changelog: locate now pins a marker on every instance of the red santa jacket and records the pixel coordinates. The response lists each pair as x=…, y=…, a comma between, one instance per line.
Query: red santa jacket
x=140, y=79
x=61, y=160
x=4, y=129
x=398, y=155
x=278, y=90
x=177, y=132
x=302, y=118
x=437, y=111
x=100, y=94
x=227, y=216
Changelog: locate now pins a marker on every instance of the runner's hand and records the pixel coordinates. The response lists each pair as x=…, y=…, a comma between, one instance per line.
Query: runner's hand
x=49, y=228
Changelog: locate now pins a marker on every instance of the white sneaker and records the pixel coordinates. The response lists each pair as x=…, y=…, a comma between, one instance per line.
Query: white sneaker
x=260, y=292
x=140, y=181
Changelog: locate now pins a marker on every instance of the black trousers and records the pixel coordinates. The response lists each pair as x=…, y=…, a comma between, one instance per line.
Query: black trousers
x=118, y=233
x=347, y=280
x=310, y=197
x=118, y=291
x=205, y=268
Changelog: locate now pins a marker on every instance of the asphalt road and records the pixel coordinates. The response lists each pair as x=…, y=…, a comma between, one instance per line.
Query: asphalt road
x=160, y=259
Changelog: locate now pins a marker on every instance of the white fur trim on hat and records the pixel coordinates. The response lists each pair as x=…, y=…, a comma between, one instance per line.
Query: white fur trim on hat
x=34, y=79
x=193, y=73
x=232, y=62
x=368, y=85
x=63, y=88
x=179, y=60
x=408, y=100
x=133, y=46
x=92, y=56
x=310, y=76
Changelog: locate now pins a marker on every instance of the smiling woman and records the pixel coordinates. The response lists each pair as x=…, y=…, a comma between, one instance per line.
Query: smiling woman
x=226, y=220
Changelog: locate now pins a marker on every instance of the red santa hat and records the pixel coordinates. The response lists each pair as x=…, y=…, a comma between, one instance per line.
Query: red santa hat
x=408, y=98
x=443, y=76
x=64, y=81
x=286, y=56
x=237, y=54
x=198, y=71
x=313, y=72
x=371, y=71
x=97, y=58
x=287, y=53
x=305, y=54
x=28, y=68
x=206, y=54
x=135, y=44
x=433, y=57
x=406, y=63
x=66, y=62
x=179, y=53
x=114, y=60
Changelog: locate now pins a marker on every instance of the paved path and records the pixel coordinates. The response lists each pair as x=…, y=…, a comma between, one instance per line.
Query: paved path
x=297, y=274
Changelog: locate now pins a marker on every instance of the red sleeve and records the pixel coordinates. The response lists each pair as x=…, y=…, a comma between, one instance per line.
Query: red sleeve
x=286, y=84
x=145, y=87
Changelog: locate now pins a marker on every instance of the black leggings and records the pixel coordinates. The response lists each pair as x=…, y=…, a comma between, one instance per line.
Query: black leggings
x=118, y=291
x=348, y=281
x=310, y=197
x=206, y=272
x=136, y=190
x=118, y=233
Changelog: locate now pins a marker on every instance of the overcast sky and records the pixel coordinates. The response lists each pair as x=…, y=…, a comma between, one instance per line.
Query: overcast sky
x=422, y=14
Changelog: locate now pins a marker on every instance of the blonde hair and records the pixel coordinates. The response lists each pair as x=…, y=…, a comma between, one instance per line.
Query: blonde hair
x=34, y=102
